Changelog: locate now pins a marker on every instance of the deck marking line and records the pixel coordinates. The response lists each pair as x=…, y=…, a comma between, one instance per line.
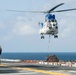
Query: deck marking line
x=19, y=73
x=35, y=70
x=2, y=65
x=41, y=71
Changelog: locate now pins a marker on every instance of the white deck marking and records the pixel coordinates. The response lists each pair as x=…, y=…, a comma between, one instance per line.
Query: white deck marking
x=20, y=73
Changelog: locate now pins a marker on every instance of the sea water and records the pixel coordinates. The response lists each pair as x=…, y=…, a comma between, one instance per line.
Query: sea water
x=39, y=55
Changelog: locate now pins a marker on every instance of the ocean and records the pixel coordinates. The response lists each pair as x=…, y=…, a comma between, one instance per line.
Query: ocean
x=39, y=56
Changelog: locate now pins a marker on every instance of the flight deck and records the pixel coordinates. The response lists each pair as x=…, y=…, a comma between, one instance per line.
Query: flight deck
x=10, y=68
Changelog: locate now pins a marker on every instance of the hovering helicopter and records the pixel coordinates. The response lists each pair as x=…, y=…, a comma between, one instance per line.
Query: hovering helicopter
x=50, y=27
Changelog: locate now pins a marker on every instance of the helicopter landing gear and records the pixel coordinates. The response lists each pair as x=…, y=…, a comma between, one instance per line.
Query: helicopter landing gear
x=55, y=36
x=42, y=37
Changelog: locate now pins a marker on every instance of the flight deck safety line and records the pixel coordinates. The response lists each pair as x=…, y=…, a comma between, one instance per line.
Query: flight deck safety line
x=36, y=70
x=2, y=65
x=40, y=71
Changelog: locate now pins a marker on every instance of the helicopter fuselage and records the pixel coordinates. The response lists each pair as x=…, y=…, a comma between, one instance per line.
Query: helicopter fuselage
x=51, y=29
x=50, y=26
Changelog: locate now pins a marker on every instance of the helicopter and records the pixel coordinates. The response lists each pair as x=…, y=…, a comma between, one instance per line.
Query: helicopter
x=50, y=26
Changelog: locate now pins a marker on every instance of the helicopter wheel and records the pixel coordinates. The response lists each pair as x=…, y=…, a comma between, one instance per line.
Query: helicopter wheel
x=42, y=37
x=55, y=36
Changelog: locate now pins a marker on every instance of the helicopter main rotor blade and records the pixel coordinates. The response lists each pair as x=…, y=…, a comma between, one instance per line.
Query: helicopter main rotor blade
x=26, y=11
x=54, y=7
x=64, y=10
x=38, y=11
x=49, y=11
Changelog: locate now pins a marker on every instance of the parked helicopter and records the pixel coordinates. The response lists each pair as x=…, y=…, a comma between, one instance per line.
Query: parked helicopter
x=50, y=27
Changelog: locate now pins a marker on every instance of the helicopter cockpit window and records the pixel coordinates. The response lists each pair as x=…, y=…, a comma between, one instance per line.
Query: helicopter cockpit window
x=56, y=27
x=53, y=24
x=52, y=20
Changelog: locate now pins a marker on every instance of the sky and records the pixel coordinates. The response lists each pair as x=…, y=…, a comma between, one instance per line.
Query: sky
x=19, y=31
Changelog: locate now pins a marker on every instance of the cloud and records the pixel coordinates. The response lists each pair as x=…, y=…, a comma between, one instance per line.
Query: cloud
x=7, y=37
x=67, y=28
x=19, y=26
x=2, y=25
x=23, y=27
x=65, y=32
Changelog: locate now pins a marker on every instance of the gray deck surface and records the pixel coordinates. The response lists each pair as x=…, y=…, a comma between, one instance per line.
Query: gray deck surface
x=34, y=69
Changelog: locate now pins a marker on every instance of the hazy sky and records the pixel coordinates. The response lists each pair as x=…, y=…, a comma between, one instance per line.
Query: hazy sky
x=19, y=32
